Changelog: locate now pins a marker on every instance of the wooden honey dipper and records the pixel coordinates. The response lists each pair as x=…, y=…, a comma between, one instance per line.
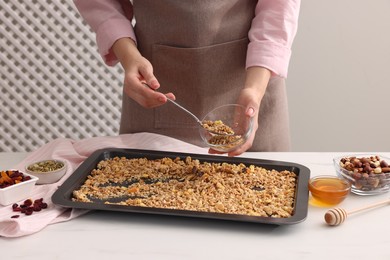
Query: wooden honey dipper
x=336, y=216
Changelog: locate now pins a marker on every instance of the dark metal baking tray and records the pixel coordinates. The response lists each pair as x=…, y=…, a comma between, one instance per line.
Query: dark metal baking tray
x=63, y=195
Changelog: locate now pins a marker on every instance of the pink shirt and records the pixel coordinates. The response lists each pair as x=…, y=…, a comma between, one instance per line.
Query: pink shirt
x=271, y=35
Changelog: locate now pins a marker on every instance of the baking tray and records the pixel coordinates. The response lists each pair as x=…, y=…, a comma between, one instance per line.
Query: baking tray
x=63, y=195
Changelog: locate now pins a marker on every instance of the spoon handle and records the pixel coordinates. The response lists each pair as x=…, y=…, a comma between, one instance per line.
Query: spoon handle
x=179, y=106
x=381, y=203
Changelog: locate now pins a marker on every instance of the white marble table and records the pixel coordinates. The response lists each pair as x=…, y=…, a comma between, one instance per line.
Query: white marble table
x=115, y=235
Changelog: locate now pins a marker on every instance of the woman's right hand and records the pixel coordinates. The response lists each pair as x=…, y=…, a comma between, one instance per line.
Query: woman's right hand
x=138, y=71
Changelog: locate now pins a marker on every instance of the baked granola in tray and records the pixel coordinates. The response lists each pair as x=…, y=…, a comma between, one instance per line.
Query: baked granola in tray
x=193, y=185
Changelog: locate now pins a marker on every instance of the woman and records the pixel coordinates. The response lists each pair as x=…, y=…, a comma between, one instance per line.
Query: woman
x=204, y=53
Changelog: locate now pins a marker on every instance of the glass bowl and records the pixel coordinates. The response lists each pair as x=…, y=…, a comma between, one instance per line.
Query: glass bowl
x=329, y=190
x=369, y=174
x=47, y=171
x=233, y=116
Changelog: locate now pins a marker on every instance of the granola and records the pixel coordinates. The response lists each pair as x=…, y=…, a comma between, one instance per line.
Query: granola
x=226, y=140
x=188, y=184
x=217, y=127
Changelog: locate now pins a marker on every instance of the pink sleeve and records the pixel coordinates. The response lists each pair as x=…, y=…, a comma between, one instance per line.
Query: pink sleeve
x=271, y=35
x=110, y=20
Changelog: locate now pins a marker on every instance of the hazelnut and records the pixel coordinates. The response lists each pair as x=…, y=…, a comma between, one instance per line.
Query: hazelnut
x=367, y=169
x=357, y=175
x=374, y=182
x=386, y=169
x=384, y=164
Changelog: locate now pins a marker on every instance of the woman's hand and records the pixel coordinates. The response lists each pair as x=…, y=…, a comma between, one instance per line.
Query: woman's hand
x=138, y=71
x=257, y=79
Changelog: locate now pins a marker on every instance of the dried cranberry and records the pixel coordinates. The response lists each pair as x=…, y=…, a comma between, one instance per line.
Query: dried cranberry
x=29, y=211
x=16, y=209
x=38, y=200
x=29, y=206
x=36, y=208
x=28, y=202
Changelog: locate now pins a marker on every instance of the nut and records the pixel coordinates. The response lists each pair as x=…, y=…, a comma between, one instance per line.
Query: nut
x=386, y=169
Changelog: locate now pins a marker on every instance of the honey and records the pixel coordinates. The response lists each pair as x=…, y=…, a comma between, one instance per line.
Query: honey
x=328, y=190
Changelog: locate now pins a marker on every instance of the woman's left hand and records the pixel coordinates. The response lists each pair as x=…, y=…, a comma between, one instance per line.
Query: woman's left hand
x=257, y=79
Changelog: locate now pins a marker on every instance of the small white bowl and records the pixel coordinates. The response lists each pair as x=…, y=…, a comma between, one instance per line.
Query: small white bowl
x=17, y=192
x=44, y=176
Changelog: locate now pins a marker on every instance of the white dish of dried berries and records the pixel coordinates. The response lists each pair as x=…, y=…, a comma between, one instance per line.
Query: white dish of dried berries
x=369, y=174
x=15, y=186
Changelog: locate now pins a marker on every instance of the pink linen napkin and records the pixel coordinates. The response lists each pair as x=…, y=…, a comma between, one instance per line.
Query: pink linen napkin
x=74, y=153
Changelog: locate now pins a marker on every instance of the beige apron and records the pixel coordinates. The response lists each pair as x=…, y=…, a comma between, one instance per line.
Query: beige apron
x=198, y=51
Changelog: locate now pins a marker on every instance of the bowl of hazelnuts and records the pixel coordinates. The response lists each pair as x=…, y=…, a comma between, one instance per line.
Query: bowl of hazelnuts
x=368, y=174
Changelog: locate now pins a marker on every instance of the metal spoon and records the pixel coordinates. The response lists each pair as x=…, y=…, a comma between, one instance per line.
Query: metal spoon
x=202, y=124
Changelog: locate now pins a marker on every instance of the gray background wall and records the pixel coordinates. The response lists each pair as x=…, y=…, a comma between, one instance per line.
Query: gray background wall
x=339, y=77
x=53, y=83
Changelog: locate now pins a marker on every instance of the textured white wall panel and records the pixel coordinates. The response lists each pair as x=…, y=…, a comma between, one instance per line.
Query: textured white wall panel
x=53, y=82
